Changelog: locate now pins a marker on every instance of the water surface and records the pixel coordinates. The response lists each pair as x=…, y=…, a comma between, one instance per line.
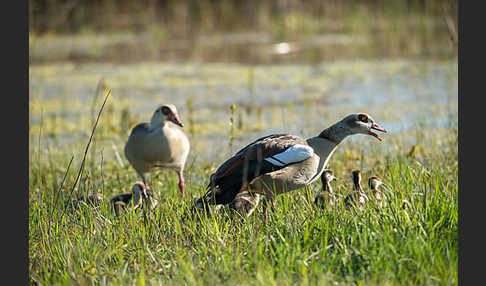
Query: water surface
x=402, y=95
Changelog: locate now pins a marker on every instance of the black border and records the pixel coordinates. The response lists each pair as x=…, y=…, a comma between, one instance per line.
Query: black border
x=471, y=84
x=15, y=142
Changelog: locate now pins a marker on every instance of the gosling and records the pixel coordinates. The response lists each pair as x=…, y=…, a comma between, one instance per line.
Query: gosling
x=357, y=196
x=326, y=197
x=135, y=198
x=378, y=196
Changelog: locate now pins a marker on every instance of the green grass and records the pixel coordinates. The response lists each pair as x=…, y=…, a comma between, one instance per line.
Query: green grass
x=298, y=244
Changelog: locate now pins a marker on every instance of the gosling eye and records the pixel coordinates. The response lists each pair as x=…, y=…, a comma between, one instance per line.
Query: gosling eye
x=363, y=118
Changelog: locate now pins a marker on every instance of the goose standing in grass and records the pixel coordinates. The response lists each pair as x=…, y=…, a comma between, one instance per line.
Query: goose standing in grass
x=135, y=198
x=279, y=163
x=160, y=144
x=357, y=196
x=378, y=196
x=326, y=197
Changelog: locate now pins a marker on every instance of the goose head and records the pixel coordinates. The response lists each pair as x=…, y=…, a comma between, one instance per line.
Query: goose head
x=164, y=113
x=374, y=182
x=328, y=176
x=361, y=123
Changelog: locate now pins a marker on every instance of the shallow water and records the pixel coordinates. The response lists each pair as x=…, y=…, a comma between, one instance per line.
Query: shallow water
x=401, y=95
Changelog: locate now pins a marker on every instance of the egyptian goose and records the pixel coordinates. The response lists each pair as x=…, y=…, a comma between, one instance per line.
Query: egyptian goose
x=326, y=197
x=160, y=144
x=135, y=197
x=357, y=196
x=281, y=162
x=378, y=196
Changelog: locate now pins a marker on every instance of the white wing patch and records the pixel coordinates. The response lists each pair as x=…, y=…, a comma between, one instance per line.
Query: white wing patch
x=293, y=154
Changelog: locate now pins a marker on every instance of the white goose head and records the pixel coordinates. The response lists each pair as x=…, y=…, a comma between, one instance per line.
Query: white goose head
x=165, y=113
x=360, y=123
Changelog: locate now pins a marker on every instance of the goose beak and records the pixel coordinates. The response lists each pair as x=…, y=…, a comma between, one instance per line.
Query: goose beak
x=378, y=128
x=175, y=119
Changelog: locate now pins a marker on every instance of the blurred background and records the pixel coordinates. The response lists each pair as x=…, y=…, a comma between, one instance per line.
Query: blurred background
x=285, y=66
x=252, y=31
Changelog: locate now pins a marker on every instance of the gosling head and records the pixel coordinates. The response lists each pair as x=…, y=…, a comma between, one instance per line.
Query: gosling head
x=140, y=189
x=328, y=176
x=374, y=182
x=356, y=176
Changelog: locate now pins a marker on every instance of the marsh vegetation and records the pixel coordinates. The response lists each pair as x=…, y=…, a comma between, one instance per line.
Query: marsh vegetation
x=226, y=100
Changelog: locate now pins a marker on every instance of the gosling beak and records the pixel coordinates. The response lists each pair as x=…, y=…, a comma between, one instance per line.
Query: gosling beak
x=378, y=128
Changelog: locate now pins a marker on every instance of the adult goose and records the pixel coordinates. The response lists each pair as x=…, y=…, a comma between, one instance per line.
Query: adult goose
x=378, y=196
x=160, y=144
x=279, y=163
x=357, y=196
x=326, y=197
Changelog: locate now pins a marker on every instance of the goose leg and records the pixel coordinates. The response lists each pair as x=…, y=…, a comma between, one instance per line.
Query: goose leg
x=144, y=184
x=265, y=210
x=182, y=187
x=146, y=198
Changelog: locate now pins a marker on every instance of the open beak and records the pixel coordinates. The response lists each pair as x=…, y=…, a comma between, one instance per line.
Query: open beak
x=378, y=128
x=175, y=118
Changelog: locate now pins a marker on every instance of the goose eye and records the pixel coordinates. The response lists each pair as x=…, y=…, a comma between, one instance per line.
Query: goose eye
x=363, y=118
x=165, y=110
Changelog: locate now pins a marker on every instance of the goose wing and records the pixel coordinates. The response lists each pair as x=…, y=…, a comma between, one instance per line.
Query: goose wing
x=264, y=155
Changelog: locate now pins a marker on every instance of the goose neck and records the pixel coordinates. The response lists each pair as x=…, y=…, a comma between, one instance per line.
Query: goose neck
x=335, y=133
